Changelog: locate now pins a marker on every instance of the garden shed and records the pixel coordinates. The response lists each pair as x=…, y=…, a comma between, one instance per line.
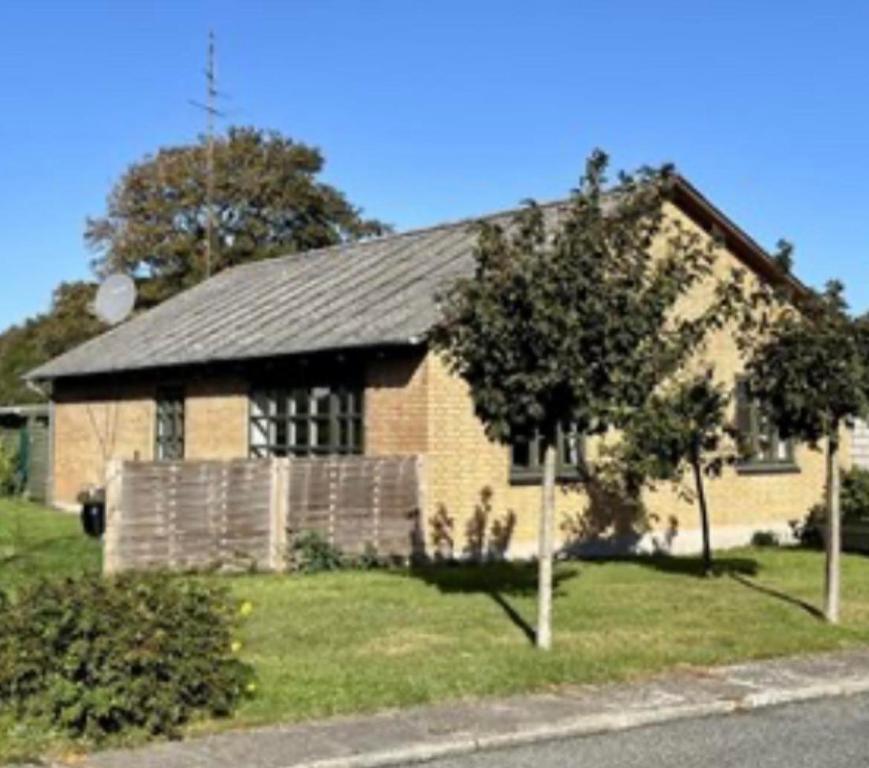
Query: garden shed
x=24, y=430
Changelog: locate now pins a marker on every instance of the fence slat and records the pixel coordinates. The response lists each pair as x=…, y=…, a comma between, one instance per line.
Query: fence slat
x=194, y=514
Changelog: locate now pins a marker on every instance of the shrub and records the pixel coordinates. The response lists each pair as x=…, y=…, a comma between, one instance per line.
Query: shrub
x=765, y=539
x=855, y=494
x=311, y=552
x=10, y=480
x=854, y=504
x=809, y=532
x=142, y=653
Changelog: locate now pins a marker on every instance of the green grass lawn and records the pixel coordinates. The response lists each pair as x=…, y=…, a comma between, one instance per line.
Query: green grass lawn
x=361, y=641
x=36, y=542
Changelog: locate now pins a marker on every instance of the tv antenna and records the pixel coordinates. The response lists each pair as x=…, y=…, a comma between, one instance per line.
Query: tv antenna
x=115, y=299
x=211, y=112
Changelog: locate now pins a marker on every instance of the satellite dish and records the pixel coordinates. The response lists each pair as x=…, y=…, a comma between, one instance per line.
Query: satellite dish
x=115, y=299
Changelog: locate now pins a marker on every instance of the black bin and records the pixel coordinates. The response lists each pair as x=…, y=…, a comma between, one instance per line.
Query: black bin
x=93, y=518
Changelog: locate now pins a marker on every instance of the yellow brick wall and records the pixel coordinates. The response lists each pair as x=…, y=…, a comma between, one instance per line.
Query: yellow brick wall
x=396, y=404
x=96, y=420
x=94, y=423
x=216, y=419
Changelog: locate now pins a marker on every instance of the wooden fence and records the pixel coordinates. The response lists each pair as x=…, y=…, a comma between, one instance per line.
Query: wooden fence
x=196, y=514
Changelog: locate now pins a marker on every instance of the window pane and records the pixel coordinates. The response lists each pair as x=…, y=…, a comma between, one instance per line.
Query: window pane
x=259, y=404
x=281, y=432
x=322, y=437
x=356, y=441
x=169, y=428
x=281, y=405
x=319, y=420
x=301, y=402
x=570, y=447
x=759, y=438
x=301, y=440
x=522, y=455
x=320, y=400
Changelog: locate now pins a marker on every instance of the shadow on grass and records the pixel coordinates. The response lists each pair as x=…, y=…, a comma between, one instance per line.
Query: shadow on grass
x=497, y=581
x=742, y=570
x=778, y=595
x=693, y=566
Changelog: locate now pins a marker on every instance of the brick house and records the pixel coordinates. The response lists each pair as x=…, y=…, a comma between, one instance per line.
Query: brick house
x=325, y=353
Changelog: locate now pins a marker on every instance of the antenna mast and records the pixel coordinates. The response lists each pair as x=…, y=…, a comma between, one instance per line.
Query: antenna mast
x=210, y=111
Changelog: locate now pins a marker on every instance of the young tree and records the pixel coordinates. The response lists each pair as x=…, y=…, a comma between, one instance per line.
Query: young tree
x=267, y=201
x=683, y=428
x=571, y=318
x=812, y=374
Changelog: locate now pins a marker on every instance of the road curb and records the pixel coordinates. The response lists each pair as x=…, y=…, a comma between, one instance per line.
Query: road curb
x=587, y=725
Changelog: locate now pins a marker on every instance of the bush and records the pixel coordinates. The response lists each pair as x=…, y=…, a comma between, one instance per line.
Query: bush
x=765, y=539
x=10, y=479
x=809, y=532
x=97, y=657
x=312, y=553
x=855, y=494
x=854, y=504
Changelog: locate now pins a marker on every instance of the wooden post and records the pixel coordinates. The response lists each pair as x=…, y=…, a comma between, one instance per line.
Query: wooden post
x=546, y=546
x=334, y=480
x=377, y=470
x=279, y=511
x=834, y=531
x=114, y=514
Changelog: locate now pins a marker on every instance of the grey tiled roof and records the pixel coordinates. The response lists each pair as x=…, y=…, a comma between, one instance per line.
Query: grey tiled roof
x=377, y=292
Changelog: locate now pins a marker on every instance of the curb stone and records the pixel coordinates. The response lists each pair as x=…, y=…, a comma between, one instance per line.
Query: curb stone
x=415, y=735
x=587, y=725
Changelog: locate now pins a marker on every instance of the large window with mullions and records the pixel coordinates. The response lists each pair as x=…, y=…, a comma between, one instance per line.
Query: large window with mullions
x=306, y=421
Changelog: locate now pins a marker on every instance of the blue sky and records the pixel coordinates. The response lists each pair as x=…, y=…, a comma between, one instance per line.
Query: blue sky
x=436, y=110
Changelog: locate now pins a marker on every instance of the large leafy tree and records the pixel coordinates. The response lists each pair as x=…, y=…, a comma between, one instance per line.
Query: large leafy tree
x=68, y=322
x=572, y=317
x=267, y=201
x=812, y=374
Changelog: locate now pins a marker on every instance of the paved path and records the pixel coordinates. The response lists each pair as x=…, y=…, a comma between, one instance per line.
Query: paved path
x=825, y=733
x=426, y=733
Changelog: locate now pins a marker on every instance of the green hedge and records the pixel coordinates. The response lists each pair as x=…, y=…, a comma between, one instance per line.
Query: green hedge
x=97, y=657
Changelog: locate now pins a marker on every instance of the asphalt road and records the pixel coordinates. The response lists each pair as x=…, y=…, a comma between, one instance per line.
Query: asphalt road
x=828, y=733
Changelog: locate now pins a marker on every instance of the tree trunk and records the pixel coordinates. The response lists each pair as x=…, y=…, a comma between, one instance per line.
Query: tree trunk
x=834, y=531
x=704, y=514
x=547, y=535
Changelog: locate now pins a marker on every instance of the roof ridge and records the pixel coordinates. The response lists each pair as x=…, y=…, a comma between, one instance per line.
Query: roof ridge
x=392, y=236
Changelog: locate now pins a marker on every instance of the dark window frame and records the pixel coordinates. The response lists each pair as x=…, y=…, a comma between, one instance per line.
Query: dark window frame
x=169, y=423
x=530, y=471
x=763, y=450
x=304, y=419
